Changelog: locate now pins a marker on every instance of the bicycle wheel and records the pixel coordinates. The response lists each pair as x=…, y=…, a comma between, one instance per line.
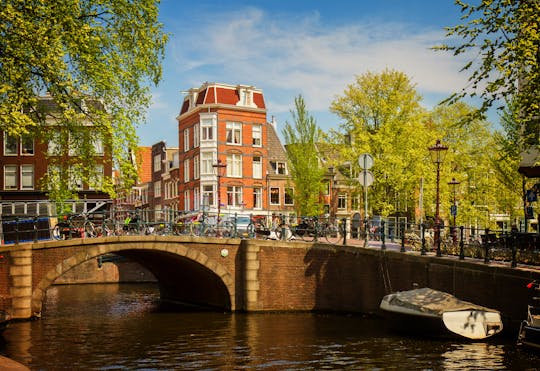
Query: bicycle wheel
x=196, y=229
x=89, y=229
x=57, y=232
x=331, y=233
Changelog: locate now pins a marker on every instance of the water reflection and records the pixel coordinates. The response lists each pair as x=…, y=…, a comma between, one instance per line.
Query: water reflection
x=103, y=327
x=477, y=356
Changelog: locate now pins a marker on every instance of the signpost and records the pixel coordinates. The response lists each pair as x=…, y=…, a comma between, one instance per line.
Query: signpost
x=366, y=179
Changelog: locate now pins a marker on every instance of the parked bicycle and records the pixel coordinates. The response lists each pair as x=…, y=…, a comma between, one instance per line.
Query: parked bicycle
x=74, y=226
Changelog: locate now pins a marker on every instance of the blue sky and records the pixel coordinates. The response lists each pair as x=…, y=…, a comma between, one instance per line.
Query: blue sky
x=286, y=48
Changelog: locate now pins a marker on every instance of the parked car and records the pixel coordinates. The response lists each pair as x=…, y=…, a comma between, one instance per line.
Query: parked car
x=243, y=223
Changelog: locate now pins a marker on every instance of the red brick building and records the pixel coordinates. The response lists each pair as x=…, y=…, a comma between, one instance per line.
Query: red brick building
x=221, y=124
x=25, y=161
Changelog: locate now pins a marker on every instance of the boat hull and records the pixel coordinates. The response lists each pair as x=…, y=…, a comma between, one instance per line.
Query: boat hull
x=435, y=313
x=529, y=336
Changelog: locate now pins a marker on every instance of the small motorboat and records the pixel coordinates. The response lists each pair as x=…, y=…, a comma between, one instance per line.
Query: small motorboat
x=434, y=313
x=529, y=330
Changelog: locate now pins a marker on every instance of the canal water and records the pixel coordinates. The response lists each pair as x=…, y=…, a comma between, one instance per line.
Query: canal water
x=121, y=327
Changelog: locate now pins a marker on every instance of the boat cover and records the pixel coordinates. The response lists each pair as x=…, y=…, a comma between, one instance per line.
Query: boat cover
x=430, y=302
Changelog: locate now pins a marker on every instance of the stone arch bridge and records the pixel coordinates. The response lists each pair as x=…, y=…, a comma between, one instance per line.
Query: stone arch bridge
x=257, y=275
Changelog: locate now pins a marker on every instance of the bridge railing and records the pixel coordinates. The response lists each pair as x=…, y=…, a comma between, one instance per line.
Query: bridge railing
x=490, y=245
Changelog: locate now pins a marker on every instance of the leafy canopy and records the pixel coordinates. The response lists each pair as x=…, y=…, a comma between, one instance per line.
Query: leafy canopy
x=301, y=139
x=109, y=50
x=503, y=40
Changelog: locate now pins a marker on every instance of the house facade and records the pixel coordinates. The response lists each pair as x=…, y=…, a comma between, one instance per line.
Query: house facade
x=229, y=154
x=26, y=161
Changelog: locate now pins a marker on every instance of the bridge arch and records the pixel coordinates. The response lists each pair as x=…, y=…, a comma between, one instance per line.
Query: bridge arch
x=184, y=273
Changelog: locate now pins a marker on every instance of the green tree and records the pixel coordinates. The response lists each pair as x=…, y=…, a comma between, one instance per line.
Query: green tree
x=301, y=139
x=503, y=40
x=76, y=50
x=382, y=116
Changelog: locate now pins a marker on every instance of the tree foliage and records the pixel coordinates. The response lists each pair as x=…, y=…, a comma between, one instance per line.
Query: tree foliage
x=74, y=50
x=382, y=116
x=503, y=40
x=301, y=138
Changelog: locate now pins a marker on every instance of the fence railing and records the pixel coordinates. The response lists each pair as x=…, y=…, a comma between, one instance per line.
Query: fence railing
x=490, y=245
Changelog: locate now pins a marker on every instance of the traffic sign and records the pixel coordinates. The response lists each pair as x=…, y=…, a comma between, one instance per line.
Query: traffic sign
x=365, y=161
x=366, y=178
x=453, y=210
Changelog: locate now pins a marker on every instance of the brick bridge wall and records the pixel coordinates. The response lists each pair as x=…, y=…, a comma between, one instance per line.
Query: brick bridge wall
x=267, y=275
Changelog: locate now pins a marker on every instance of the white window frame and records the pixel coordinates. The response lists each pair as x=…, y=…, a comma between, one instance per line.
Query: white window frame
x=234, y=165
x=257, y=167
x=157, y=189
x=196, y=135
x=186, y=139
x=209, y=190
x=187, y=201
x=196, y=167
x=11, y=171
x=342, y=201
x=157, y=163
x=257, y=198
x=96, y=181
x=24, y=150
x=285, y=193
x=256, y=135
x=98, y=146
x=234, y=133
x=207, y=130
x=186, y=170
x=9, y=139
x=278, y=196
x=234, y=196
x=207, y=162
x=196, y=198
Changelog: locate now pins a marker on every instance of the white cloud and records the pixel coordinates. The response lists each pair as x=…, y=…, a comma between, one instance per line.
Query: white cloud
x=302, y=56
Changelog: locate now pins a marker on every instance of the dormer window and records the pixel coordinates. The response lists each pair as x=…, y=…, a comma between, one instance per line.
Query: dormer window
x=245, y=94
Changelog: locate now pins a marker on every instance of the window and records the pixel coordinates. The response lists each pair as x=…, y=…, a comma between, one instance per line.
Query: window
x=342, y=202
x=54, y=146
x=326, y=187
x=186, y=140
x=234, y=133
x=257, y=198
x=96, y=180
x=196, y=133
x=208, y=195
x=157, y=163
x=234, y=195
x=234, y=165
x=196, y=199
x=10, y=145
x=27, y=145
x=257, y=167
x=257, y=135
x=10, y=176
x=279, y=167
x=187, y=205
x=207, y=130
x=75, y=178
x=289, y=196
x=157, y=189
x=186, y=170
x=274, y=196
x=355, y=202
x=196, y=167
x=98, y=146
x=207, y=160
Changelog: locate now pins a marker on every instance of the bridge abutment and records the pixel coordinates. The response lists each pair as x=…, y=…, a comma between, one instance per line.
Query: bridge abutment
x=20, y=274
x=251, y=276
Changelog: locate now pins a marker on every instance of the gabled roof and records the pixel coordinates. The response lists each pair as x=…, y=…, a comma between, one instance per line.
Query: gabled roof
x=221, y=94
x=276, y=151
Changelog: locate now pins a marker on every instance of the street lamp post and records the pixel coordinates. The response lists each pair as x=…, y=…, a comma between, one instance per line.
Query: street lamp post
x=219, y=170
x=453, y=210
x=437, y=151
